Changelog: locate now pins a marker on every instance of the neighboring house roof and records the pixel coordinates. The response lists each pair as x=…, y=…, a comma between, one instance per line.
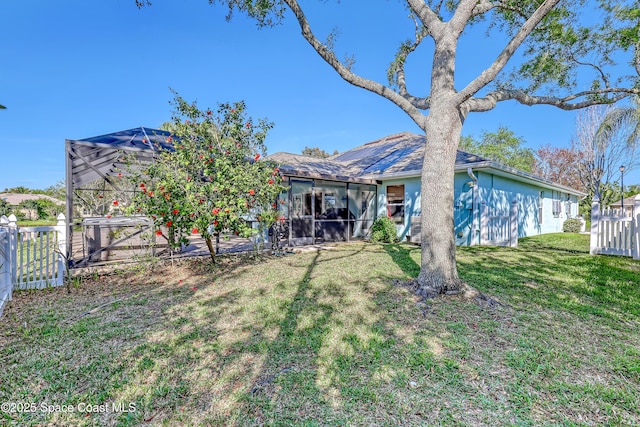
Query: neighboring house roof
x=15, y=199
x=628, y=201
x=395, y=156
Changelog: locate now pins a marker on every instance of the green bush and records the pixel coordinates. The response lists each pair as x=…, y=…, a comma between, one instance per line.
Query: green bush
x=572, y=225
x=5, y=208
x=384, y=230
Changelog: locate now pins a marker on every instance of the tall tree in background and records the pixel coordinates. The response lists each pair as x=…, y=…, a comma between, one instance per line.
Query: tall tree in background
x=631, y=190
x=57, y=190
x=624, y=120
x=503, y=147
x=19, y=190
x=317, y=152
x=548, y=41
x=2, y=107
x=604, y=141
x=559, y=165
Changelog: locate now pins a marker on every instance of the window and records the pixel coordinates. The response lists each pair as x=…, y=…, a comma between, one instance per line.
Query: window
x=557, y=208
x=557, y=205
x=395, y=203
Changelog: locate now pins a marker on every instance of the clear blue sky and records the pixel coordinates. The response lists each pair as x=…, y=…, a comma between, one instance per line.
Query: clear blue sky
x=74, y=69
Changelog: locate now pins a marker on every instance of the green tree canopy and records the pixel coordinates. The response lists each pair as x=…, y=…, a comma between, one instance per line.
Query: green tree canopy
x=19, y=190
x=502, y=146
x=5, y=208
x=317, y=152
x=42, y=208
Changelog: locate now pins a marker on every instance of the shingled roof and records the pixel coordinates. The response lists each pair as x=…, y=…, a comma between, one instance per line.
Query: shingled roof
x=394, y=156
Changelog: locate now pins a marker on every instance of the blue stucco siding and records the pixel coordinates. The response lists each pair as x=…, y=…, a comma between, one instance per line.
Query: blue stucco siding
x=498, y=193
x=463, y=209
x=411, y=202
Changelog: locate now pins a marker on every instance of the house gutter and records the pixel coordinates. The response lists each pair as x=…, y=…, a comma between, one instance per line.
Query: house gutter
x=474, y=214
x=492, y=168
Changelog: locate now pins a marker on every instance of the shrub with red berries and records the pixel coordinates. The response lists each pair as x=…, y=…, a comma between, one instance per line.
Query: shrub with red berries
x=214, y=180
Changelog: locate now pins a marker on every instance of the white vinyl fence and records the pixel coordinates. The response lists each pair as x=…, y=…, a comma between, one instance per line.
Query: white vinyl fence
x=615, y=231
x=30, y=257
x=5, y=268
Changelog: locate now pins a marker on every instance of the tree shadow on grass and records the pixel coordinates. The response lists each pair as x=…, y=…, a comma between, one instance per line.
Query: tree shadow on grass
x=554, y=278
x=287, y=342
x=288, y=363
x=402, y=256
x=258, y=346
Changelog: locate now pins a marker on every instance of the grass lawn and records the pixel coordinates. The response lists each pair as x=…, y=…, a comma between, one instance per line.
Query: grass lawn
x=330, y=338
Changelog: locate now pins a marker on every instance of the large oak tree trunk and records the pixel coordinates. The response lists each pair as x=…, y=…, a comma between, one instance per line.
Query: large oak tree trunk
x=438, y=270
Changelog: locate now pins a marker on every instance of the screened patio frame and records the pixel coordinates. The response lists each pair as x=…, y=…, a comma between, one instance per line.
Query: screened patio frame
x=99, y=157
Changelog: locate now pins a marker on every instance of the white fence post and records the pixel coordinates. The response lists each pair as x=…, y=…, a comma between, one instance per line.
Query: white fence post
x=61, y=228
x=595, y=218
x=513, y=232
x=13, y=248
x=484, y=224
x=5, y=263
x=635, y=228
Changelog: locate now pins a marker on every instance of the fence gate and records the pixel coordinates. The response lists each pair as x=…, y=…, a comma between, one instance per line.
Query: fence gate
x=30, y=257
x=615, y=231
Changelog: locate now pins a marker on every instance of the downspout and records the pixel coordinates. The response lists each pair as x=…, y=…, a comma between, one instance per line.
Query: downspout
x=474, y=213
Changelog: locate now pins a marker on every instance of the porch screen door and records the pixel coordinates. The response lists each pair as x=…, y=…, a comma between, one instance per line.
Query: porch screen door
x=302, y=208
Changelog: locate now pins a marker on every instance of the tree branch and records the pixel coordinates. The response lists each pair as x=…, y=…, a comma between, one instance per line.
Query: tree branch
x=428, y=17
x=511, y=8
x=396, y=68
x=488, y=75
x=598, y=69
x=344, y=72
x=636, y=57
x=461, y=17
x=489, y=102
x=482, y=7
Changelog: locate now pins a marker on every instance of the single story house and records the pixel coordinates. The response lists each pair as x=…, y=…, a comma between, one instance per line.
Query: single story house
x=339, y=197
x=627, y=202
x=15, y=199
